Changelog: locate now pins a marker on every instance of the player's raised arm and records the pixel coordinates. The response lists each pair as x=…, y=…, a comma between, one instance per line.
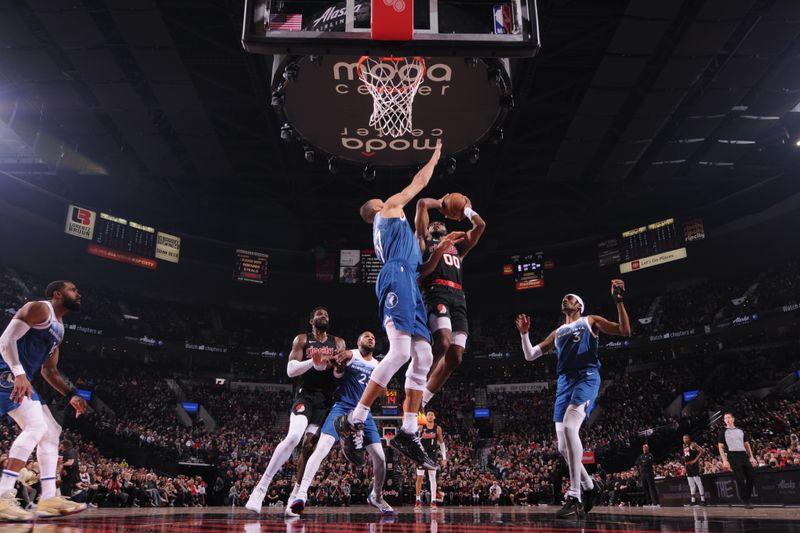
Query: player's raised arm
x=393, y=207
x=474, y=234
x=531, y=352
x=422, y=219
x=296, y=366
x=622, y=328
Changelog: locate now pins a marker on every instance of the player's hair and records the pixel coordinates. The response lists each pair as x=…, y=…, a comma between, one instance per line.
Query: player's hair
x=366, y=210
x=430, y=411
x=687, y=435
x=314, y=311
x=67, y=444
x=728, y=413
x=54, y=286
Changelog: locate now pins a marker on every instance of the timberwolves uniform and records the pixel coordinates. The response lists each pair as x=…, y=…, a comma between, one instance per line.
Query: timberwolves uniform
x=35, y=347
x=315, y=388
x=429, y=439
x=398, y=295
x=348, y=394
x=444, y=295
x=578, y=367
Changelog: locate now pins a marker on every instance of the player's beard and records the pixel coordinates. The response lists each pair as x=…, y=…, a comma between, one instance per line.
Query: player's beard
x=321, y=324
x=72, y=305
x=367, y=349
x=437, y=235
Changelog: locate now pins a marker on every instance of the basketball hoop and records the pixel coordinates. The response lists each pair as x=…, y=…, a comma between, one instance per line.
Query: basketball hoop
x=393, y=83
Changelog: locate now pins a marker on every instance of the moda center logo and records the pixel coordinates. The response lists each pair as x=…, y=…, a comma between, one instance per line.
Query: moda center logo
x=80, y=222
x=437, y=78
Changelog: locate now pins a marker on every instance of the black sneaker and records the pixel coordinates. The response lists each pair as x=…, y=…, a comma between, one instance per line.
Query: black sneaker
x=693, y=504
x=590, y=496
x=571, y=508
x=352, y=437
x=409, y=445
x=703, y=503
x=748, y=505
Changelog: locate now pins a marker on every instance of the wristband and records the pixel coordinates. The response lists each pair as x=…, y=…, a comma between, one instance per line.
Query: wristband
x=17, y=370
x=619, y=294
x=469, y=213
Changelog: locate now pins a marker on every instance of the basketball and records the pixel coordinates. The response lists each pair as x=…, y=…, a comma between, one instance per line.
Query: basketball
x=421, y=418
x=453, y=206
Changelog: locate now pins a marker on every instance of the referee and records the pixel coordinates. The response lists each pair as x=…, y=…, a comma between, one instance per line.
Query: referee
x=735, y=450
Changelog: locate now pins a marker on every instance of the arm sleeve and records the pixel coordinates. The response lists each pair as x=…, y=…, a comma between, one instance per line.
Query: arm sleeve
x=15, y=330
x=721, y=437
x=532, y=353
x=296, y=368
x=443, y=450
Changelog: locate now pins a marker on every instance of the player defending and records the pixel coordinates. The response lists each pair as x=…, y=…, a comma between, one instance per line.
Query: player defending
x=432, y=438
x=578, y=367
x=355, y=368
x=402, y=314
x=311, y=362
x=691, y=458
x=440, y=275
x=28, y=345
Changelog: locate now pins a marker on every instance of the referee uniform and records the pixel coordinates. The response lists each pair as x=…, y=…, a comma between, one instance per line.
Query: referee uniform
x=734, y=440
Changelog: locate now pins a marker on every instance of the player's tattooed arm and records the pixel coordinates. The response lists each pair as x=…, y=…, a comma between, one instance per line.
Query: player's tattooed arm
x=393, y=208
x=296, y=365
x=53, y=376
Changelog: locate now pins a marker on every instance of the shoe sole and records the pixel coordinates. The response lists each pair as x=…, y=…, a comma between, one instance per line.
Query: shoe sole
x=385, y=513
x=68, y=513
x=257, y=511
x=424, y=465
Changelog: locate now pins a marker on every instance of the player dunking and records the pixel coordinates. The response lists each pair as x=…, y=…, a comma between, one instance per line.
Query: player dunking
x=311, y=363
x=445, y=302
x=29, y=344
x=433, y=441
x=402, y=314
x=691, y=459
x=578, y=366
x=354, y=367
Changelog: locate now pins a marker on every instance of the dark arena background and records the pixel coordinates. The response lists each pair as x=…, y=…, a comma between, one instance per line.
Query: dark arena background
x=196, y=169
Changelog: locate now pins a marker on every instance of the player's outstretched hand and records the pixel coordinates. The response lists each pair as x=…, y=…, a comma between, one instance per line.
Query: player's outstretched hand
x=22, y=389
x=454, y=237
x=523, y=324
x=437, y=152
x=79, y=404
x=618, y=289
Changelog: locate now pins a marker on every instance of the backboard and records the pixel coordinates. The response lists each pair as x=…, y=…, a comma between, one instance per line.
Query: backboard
x=469, y=28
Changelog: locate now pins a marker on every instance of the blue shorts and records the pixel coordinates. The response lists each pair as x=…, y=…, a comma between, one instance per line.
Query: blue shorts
x=6, y=386
x=371, y=435
x=576, y=388
x=399, y=299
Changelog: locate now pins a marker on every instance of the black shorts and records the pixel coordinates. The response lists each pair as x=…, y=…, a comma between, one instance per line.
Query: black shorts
x=441, y=301
x=312, y=404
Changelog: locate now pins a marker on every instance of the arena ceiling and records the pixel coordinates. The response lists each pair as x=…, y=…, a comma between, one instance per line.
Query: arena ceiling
x=632, y=111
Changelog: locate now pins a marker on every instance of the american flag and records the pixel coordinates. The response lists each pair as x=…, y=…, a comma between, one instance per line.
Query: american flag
x=281, y=21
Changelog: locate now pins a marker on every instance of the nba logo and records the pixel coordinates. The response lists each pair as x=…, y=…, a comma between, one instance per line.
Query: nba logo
x=502, y=19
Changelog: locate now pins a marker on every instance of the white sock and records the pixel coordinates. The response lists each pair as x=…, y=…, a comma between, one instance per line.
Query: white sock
x=410, y=423
x=573, y=419
x=426, y=397
x=8, y=481
x=359, y=414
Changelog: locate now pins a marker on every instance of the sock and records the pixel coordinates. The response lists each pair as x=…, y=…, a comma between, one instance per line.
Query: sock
x=586, y=480
x=692, y=498
x=426, y=397
x=8, y=481
x=48, y=488
x=410, y=424
x=295, y=490
x=418, y=499
x=702, y=497
x=359, y=414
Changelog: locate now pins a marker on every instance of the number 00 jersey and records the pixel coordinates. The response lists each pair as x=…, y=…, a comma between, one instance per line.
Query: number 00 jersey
x=449, y=267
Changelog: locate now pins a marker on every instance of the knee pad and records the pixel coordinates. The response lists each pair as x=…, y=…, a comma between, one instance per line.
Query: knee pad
x=421, y=361
x=460, y=339
x=398, y=355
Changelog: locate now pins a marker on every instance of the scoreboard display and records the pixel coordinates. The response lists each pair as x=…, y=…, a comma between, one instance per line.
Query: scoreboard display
x=359, y=266
x=125, y=236
x=528, y=271
x=646, y=246
x=250, y=266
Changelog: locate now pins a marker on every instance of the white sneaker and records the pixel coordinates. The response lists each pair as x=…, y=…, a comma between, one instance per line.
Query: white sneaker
x=58, y=506
x=287, y=512
x=256, y=499
x=11, y=510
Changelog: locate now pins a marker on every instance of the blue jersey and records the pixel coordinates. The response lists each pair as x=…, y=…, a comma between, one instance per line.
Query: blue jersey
x=577, y=347
x=37, y=345
x=355, y=379
x=394, y=240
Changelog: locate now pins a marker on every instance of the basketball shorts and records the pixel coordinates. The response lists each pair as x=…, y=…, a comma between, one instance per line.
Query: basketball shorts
x=371, y=435
x=445, y=302
x=312, y=404
x=576, y=388
x=6, y=386
x=399, y=299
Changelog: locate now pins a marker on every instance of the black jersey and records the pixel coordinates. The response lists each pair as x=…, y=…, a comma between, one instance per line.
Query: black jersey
x=449, y=267
x=318, y=380
x=429, y=438
x=690, y=454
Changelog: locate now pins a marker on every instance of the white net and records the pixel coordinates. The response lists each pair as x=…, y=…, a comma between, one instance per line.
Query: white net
x=393, y=83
